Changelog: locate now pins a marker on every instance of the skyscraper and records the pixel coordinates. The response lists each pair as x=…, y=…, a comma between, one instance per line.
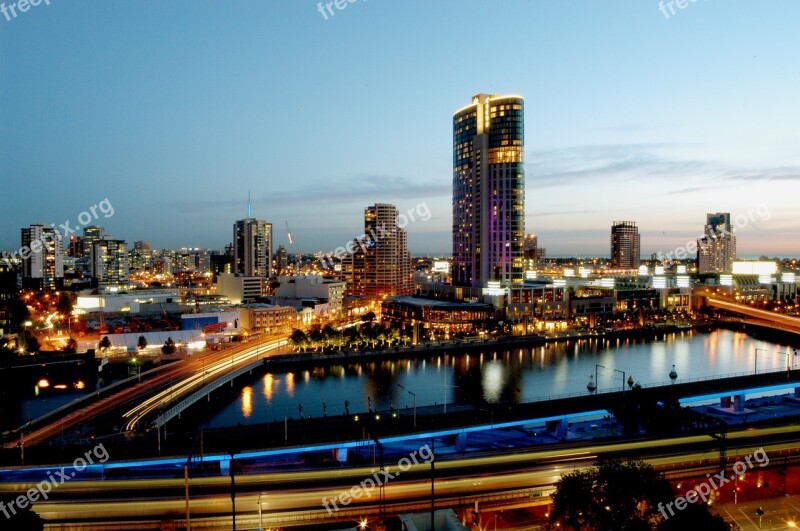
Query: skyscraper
x=380, y=264
x=488, y=191
x=109, y=264
x=625, y=248
x=716, y=251
x=42, y=258
x=252, y=248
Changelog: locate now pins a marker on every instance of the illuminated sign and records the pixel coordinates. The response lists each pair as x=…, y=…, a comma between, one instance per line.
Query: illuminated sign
x=755, y=268
x=441, y=266
x=726, y=280
x=659, y=282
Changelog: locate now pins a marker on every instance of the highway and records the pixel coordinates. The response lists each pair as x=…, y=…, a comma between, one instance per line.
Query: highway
x=187, y=373
x=284, y=496
x=776, y=320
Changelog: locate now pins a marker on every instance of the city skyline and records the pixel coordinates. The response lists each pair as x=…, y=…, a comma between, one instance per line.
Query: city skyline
x=82, y=122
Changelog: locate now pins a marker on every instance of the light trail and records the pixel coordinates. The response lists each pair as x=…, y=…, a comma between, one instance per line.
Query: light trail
x=188, y=384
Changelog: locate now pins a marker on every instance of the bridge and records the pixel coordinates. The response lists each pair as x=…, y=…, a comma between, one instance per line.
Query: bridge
x=757, y=317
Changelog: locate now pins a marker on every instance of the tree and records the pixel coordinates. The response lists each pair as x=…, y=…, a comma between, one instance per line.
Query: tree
x=369, y=317
x=72, y=346
x=299, y=339
x=20, y=519
x=64, y=305
x=105, y=343
x=169, y=347
x=142, y=343
x=28, y=342
x=623, y=496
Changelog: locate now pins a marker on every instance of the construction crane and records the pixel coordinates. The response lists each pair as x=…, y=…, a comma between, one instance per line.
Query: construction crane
x=298, y=255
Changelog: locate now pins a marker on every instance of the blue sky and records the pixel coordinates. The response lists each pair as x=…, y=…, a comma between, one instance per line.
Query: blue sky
x=174, y=110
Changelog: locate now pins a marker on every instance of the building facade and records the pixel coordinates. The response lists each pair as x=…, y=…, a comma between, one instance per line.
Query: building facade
x=42, y=255
x=716, y=251
x=109, y=265
x=379, y=265
x=625, y=245
x=489, y=191
x=252, y=248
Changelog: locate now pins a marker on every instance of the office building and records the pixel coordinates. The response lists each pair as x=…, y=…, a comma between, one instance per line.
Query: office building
x=109, y=264
x=625, y=245
x=42, y=256
x=252, y=248
x=488, y=191
x=379, y=264
x=141, y=255
x=239, y=288
x=716, y=251
x=534, y=255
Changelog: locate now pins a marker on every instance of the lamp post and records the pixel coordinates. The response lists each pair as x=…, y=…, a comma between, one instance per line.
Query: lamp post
x=623, y=378
x=415, y=403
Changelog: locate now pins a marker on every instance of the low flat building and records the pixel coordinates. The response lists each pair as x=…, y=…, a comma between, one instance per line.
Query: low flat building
x=312, y=291
x=266, y=318
x=239, y=288
x=437, y=316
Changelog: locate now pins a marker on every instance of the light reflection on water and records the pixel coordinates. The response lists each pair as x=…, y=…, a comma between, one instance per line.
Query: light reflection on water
x=497, y=375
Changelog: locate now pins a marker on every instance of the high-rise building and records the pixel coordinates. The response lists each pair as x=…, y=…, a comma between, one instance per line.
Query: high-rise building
x=141, y=255
x=91, y=235
x=380, y=264
x=252, y=248
x=488, y=191
x=281, y=258
x=109, y=264
x=625, y=245
x=75, y=247
x=42, y=258
x=534, y=254
x=716, y=251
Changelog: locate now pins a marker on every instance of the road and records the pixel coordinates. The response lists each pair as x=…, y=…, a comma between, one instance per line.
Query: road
x=187, y=373
x=284, y=497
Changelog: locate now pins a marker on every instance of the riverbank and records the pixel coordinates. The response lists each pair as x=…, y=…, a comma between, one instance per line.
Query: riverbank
x=470, y=346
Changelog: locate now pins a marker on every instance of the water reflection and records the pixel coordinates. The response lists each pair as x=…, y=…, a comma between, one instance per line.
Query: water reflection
x=497, y=375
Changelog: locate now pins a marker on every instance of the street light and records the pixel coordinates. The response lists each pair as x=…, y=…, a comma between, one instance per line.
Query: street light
x=415, y=403
x=623, y=378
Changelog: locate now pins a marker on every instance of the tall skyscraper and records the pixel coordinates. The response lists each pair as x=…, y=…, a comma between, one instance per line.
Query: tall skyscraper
x=110, y=264
x=716, y=251
x=380, y=264
x=625, y=245
x=252, y=248
x=42, y=258
x=488, y=191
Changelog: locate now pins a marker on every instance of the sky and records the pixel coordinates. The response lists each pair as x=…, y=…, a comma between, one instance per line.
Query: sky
x=171, y=112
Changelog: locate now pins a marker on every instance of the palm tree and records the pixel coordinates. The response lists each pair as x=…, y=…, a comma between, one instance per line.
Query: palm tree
x=142, y=343
x=299, y=339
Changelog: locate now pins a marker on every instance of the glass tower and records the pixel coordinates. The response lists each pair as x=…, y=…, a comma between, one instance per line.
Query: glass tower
x=489, y=191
